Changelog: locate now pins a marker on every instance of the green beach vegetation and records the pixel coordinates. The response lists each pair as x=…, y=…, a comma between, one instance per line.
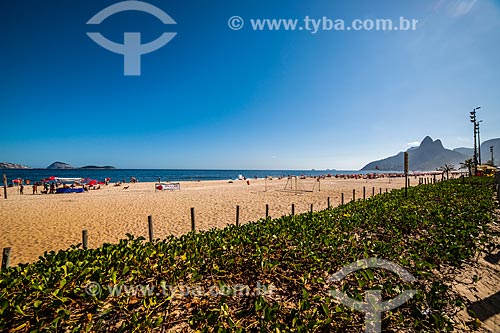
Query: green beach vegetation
x=431, y=233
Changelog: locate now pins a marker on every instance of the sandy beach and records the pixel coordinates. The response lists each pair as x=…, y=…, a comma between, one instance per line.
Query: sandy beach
x=32, y=224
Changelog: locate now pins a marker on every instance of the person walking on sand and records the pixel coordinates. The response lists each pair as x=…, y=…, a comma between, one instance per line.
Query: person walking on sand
x=21, y=189
x=35, y=189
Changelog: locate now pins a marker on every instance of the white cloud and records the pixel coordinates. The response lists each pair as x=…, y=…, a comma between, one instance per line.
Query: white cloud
x=413, y=144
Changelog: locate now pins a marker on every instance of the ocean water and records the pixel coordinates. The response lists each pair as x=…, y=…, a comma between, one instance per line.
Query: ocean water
x=149, y=175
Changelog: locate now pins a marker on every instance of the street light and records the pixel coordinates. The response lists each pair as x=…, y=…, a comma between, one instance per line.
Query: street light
x=473, y=120
x=479, y=140
x=492, y=159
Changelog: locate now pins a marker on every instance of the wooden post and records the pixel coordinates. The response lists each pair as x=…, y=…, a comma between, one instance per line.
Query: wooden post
x=497, y=178
x=237, y=215
x=380, y=190
x=319, y=184
x=150, y=227
x=406, y=184
x=342, y=198
x=5, y=186
x=386, y=190
x=353, y=195
x=85, y=239
x=293, y=209
x=406, y=164
x=267, y=211
x=364, y=192
x=6, y=257
x=328, y=202
x=311, y=208
x=373, y=191
x=193, y=225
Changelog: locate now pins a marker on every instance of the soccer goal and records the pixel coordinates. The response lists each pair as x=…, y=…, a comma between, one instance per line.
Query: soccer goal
x=297, y=185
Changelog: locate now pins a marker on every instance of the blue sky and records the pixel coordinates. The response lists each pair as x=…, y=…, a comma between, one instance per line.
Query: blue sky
x=224, y=99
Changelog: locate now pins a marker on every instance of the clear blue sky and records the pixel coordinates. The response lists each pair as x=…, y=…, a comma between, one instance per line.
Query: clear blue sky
x=218, y=98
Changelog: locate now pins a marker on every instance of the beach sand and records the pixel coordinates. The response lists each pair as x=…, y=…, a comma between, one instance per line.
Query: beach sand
x=32, y=224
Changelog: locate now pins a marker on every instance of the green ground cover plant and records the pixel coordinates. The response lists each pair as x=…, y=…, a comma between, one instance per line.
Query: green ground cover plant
x=266, y=276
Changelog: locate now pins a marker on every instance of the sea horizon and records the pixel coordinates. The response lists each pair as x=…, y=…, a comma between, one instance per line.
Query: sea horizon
x=152, y=175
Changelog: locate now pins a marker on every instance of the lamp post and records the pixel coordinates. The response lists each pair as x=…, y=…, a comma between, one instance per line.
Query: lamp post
x=473, y=121
x=492, y=159
x=479, y=141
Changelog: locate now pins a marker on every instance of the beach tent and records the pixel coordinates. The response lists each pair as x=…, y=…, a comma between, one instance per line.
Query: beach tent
x=69, y=190
x=68, y=180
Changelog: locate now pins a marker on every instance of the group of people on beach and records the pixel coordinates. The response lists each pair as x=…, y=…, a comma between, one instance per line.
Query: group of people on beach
x=47, y=188
x=51, y=186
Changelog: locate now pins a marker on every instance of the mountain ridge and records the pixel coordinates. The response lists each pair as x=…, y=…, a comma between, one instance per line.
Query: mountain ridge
x=430, y=155
x=7, y=165
x=66, y=166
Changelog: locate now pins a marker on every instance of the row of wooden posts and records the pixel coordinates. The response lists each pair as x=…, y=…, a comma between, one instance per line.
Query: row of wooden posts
x=193, y=220
x=7, y=251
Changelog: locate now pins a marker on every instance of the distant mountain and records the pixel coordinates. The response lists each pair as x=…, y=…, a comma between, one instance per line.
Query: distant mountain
x=94, y=167
x=465, y=151
x=430, y=155
x=7, y=165
x=66, y=166
x=60, y=166
x=485, y=151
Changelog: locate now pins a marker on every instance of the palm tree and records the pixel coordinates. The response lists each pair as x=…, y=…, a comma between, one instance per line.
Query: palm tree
x=467, y=164
x=446, y=169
